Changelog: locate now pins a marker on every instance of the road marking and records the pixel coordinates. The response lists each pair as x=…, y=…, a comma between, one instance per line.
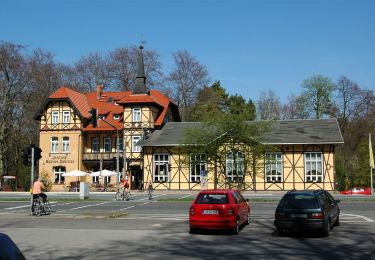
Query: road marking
x=352, y=216
x=86, y=206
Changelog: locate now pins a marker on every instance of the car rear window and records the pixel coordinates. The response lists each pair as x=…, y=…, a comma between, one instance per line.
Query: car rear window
x=205, y=198
x=299, y=201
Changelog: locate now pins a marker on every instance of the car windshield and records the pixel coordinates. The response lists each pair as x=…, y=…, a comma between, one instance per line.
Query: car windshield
x=299, y=201
x=216, y=198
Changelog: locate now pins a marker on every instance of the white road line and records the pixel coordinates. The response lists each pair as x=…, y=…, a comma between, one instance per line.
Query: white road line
x=357, y=216
x=186, y=196
x=86, y=206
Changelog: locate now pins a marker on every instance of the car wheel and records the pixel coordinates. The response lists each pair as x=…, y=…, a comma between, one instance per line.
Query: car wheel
x=281, y=232
x=193, y=230
x=236, y=228
x=337, y=222
x=327, y=229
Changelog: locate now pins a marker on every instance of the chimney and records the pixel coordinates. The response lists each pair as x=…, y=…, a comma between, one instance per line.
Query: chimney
x=99, y=91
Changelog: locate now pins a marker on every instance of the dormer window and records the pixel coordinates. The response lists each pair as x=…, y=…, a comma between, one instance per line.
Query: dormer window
x=137, y=114
x=55, y=117
x=116, y=117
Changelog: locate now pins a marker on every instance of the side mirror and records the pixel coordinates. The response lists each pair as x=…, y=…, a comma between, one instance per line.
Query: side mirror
x=247, y=200
x=337, y=201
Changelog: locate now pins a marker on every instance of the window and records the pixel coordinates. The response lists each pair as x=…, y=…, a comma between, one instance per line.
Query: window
x=313, y=167
x=57, y=172
x=55, y=117
x=65, y=144
x=107, y=144
x=54, y=145
x=95, y=144
x=121, y=144
x=235, y=166
x=198, y=164
x=66, y=117
x=161, y=167
x=101, y=117
x=95, y=179
x=136, y=115
x=273, y=167
x=107, y=179
x=136, y=148
x=116, y=117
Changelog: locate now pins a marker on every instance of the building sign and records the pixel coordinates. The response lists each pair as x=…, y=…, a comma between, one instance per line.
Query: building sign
x=59, y=159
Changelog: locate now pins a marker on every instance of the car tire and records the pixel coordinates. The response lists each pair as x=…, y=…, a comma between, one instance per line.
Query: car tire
x=327, y=229
x=337, y=222
x=193, y=230
x=281, y=232
x=236, y=228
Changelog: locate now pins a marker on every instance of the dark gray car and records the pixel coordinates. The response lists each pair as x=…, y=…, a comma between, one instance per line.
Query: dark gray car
x=307, y=210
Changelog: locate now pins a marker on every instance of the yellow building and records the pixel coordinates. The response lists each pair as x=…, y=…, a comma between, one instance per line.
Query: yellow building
x=88, y=132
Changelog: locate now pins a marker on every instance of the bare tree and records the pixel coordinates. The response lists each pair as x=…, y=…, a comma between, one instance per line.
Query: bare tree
x=294, y=108
x=269, y=106
x=188, y=77
x=13, y=81
x=122, y=64
x=90, y=71
x=350, y=100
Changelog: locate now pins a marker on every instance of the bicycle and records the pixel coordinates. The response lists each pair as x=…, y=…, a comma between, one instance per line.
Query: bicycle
x=122, y=195
x=41, y=207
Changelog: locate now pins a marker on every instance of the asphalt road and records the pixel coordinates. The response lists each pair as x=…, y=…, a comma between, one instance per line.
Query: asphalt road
x=143, y=229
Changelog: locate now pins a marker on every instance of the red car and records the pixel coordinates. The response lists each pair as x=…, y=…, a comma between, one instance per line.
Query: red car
x=219, y=209
x=357, y=191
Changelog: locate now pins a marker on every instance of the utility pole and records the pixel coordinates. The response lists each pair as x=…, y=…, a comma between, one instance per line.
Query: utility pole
x=32, y=172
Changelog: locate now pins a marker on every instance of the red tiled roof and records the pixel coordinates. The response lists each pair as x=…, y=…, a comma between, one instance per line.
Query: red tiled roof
x=108, y=105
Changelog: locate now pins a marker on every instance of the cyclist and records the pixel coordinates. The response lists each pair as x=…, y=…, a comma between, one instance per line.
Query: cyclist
x=124, y=185
x=37, y=191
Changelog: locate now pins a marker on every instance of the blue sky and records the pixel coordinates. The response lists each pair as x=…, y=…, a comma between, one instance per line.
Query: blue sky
x=250, y=46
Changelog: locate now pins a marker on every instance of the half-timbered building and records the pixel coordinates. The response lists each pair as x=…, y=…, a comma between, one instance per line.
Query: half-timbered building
x=143, y=129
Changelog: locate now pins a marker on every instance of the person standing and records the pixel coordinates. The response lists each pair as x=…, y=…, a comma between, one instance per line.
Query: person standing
x=149, y=189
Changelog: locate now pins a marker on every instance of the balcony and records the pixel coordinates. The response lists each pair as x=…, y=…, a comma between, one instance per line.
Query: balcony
x=98, y=156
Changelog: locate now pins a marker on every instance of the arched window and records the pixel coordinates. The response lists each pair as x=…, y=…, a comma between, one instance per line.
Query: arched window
x=235, y=166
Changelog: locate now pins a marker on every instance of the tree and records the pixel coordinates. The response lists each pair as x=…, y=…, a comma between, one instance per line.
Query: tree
x=188, y=77
x=350, y=100
x=294, y=108
x=318, y=91
x=13, y=82
x=214, y=99
x=269, y=106
x=223, y=133
x=123, y=68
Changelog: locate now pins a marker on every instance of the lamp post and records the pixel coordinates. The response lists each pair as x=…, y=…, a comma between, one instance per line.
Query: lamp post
x=117, y=152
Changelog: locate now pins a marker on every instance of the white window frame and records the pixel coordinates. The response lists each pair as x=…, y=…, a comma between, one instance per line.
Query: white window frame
x=273, y=170
x=136, y=148
x=116, y=117
x=137, y=115
x=198, y=163
x=54, y=144
x=314, y=167
x=65, y=144
x=55, y=117
x=161, y=167
x=66, y=117
x=57, y=173
x=107, y=141
x=235, y=171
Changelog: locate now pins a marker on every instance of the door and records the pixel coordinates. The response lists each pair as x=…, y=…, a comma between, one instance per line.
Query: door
x=136, y=180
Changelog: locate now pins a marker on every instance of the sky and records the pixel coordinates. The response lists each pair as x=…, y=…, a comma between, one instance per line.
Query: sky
x=250, y=46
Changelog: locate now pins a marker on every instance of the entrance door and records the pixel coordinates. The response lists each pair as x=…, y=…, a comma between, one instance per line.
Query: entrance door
x=136, y=181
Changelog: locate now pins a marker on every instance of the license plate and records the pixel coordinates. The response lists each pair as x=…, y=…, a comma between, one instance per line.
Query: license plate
x=210, y=211
x=298, y=215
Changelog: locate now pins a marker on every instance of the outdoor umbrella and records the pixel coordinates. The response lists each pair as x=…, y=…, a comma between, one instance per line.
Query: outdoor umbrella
x=103, y=173
x=75, y=173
